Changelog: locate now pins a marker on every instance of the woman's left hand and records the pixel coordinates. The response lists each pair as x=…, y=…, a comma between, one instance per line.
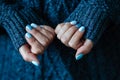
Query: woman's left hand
x=71, y=35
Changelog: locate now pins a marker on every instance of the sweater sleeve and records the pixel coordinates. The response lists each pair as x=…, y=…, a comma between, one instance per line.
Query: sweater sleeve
x=14, y=18
x=94, y=15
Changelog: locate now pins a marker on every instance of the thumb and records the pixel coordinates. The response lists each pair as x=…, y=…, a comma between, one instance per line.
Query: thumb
x=84, y=49
x=28, y=55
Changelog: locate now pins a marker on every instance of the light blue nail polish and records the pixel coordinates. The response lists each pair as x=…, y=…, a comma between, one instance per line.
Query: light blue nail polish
x=78, y=57
x=29, y=27
x=35, y=63
x=41, y=26
x=34, y=25
x=67, y=23
x=28, y=35
x=78, y=25
x=82, y=29
x=73, y=22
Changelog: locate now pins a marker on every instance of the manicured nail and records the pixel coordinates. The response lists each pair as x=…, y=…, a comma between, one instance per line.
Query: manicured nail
x=28, y=35
x=29, y=27
x=78, y=25
x=79, y=56
x=34, y=25
x=82, y=29
x=67, y=23
x=35, y=63
x=73, y=22
x=41, y=26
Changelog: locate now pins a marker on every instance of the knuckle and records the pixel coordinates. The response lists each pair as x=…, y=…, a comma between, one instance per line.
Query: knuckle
x=64, y=40
x=45, y=42
x=41, y=50
x=71, y=44
x=58, y=25
x=38, y=49
x=51, y=36
x=34, y=44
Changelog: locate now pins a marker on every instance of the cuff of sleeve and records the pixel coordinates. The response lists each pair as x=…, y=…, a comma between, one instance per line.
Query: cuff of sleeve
x=93, y=16
x=14, y=23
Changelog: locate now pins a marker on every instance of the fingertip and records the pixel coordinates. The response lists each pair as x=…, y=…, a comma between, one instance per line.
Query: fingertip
x=82, y=29
x=80, y=53
x=73, y=22
x=27, y=55
x=79, y=56
x=32, y=58
x=29, y=27
x=35, y=63
x=28, y=35
x=34, y=25
x=84, y=49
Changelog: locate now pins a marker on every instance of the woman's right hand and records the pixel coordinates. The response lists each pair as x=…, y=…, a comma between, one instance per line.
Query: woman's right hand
x=38, y=38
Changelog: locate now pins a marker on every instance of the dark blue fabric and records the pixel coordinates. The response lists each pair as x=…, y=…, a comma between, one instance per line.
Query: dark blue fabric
x=58, y=62
x=95, y=15
x=102, y=63
x=12, y=66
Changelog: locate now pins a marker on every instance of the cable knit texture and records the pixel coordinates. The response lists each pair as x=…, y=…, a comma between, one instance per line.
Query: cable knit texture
x=93, y=14
x=14, y=18
x=58, y=62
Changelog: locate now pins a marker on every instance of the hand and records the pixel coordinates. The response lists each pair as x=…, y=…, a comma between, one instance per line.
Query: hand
x=71, y=35
x=38, y=38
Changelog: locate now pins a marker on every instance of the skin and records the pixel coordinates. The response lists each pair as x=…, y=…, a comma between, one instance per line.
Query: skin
x=41, y=38
x=69, y=35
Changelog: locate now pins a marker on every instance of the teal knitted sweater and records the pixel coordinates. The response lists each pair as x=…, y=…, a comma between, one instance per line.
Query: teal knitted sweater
x=95, y=15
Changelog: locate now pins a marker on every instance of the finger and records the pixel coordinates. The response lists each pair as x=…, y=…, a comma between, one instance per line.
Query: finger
x=65, y=38
x=73, y=22
x=48, y=28
x=59, y=26
x=28, y=55
x=84, y=49
x=37, y=27
x=48, y=34
x=36, y=47
x=45, y=30
x=63, y=30
x=38, y=35
x=75, y=40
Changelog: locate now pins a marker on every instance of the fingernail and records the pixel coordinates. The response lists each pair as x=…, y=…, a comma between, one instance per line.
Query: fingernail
x=29, y=27
x=41, y=26
x=35, y=63
x=82, y=29
x=79, y=56
x=34, y=25
x=28, y=35
x=67, y=23
x=78, y=25
x=73, y=22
